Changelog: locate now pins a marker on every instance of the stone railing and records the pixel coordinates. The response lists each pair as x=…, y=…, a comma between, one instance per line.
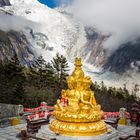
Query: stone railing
x=8, y=110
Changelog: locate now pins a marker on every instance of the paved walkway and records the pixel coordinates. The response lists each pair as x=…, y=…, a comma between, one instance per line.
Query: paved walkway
x=10, y=133
x=126, y=130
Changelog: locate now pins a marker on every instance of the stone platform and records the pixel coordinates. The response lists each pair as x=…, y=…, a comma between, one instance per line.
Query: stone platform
x=46, y=133
x=10, y=133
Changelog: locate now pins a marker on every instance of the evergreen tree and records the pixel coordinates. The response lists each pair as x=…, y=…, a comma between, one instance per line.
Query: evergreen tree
x=15, y=79
x=135, y=91
x=41, y=77
x=103, y=88
x=50, y=76
x=3, y=82
x=125, y=92
x=37, y=73
x=60, y=66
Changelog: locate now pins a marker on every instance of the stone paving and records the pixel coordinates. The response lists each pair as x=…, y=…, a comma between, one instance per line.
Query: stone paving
x=10, y=133
x=126, y=130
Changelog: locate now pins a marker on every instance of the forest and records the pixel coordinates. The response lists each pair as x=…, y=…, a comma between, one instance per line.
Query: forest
x=44, y=81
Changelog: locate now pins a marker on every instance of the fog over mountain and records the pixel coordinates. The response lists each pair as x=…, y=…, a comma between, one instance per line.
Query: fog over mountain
x=104, y=33
x=118, y=18
x=17, y=23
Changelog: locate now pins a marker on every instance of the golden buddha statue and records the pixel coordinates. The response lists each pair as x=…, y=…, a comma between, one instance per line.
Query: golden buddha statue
x=81, y=116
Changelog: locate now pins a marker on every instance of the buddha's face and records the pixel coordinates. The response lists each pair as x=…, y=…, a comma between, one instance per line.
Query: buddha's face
x=79, y=85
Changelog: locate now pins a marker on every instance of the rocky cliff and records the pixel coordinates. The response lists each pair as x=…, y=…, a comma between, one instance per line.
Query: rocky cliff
x=12, y=42
x=127, y=57
x=4, y=3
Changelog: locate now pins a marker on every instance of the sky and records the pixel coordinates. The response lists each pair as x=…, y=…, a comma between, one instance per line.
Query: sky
x=118, y=18
x=54, y=3
x=50, y=3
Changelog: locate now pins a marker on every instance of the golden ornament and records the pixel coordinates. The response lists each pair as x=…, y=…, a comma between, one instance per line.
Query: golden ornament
x=81, y=116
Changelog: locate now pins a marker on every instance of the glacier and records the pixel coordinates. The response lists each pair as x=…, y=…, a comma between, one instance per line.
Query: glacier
x=63, y=32
x=54, y=32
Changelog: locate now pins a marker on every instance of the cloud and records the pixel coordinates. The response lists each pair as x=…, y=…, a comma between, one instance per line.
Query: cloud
x=12, y=22
x=120, y=18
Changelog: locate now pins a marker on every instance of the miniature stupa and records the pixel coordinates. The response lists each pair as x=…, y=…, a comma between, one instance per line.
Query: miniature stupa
x=80, y=115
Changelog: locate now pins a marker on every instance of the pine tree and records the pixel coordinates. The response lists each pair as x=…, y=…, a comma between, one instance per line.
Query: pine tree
x=50, y=76
x=135, y=91
x=41, y=65
x=3, y=83
x=15, y=78
x=37, y=73
x=60, y=66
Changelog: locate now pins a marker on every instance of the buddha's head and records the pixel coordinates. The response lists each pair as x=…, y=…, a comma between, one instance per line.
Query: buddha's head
x=78, y=72
x=78, y=62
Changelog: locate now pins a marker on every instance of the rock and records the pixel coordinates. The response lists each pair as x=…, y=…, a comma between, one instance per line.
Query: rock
x=4, y=3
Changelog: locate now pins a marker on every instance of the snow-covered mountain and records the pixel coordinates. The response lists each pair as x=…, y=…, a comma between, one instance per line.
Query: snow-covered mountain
x=12, y=42
x=47, y=31
x=61, y=31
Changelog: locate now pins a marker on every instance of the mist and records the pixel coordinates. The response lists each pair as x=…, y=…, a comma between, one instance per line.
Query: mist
x=118, y=18
x=12, y=22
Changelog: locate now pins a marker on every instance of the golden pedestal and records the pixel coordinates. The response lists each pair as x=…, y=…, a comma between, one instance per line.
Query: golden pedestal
x=78, y=129
x=78, y=114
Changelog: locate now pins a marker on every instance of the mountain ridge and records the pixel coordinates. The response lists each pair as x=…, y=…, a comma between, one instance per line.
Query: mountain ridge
x=61, y=32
